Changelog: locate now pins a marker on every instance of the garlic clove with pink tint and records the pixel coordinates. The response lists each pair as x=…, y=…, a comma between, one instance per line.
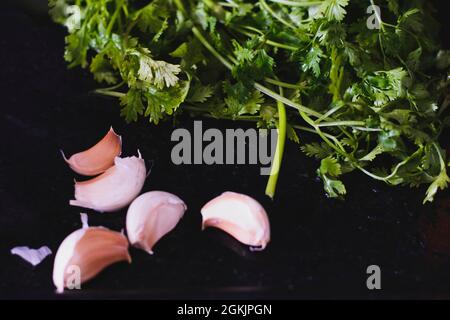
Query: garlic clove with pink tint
x=239, y=215
x=151, y=216
x=85, y=253
x=98, y=158
x=115, y=188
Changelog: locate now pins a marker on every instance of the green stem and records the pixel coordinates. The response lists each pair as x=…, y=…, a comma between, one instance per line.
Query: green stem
x=119, y=4
x=180, y=7
x=284, y=84
x=110, y=93
x=211, y=49
x=340, y=123
x=298, y=4
x=310, y=130
x=329, y=113
x=205, y=113
x=337, y=146
x=278, y=158
x=114, y=87
x=286, y=101
x=266, y=7
x=267, y=41
x=393, y=173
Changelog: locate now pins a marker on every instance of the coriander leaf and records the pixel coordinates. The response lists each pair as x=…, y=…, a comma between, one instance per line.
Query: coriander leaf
x=393, y=6
x=190, y=53
x=318, y=150
x=200, y=93
x=413, y=60
x=330, y=169
x=330, y=166
x=101, y=69
x=76, y=49
x=252, y=104
x=165, y=101
x=153, y=18
x=312, y=61
x=439, y=182
x=132, y=105
x=252, y=65
x=334, y=9
x=411, y=20
x=156, y=72
x=267, y=114
x=373, y=154
x=292, y=134
x=240, y=100
x=334, y=188
x=74, y=16
x=58, y=10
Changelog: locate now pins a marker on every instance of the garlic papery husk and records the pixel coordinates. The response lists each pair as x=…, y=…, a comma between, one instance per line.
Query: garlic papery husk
x=33, y=256
x=115, y=188
x=151, y=216
x=86, y=252
x=239, y=215
x=98, y=158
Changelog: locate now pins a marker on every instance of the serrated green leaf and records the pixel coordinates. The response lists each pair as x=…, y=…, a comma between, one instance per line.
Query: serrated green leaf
x=330, y=166
x=132, y=105
x=317, y=150
x=200, y=93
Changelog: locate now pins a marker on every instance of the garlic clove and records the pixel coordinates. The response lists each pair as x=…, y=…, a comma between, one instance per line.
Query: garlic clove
x=239, y=215
x=98, y=158
x=90, y=250
x=151, y=216
x=113, y=189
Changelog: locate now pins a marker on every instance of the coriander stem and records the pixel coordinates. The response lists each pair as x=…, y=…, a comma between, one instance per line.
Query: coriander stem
x=278, y=158
x=341, y=123
x=211, y=49
x=298, y=4
x=180, y=6
x=340, y=149
x=283, y=84
x=307, y=129
x=112, y=87
x=329, y=113
x=119, y=4
x=208, y=115
x=266, y=7
x=267, y=41
x=110, y=93
x=286, y=101
x=393, y=173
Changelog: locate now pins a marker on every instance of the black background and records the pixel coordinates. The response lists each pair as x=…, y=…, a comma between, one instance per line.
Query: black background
x=320, y=247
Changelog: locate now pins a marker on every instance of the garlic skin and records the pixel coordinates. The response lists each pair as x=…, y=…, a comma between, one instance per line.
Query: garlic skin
x=115, y=188
x=91, y=249
x=98, y=158
x=151, y=216
x=239, y=215
x=32, y=256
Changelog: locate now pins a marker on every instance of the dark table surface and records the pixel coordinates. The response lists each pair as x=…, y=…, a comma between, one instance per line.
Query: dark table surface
x=320, y=247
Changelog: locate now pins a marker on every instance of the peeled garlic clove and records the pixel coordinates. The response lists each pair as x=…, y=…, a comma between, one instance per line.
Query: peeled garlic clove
x=98, y=158
x=114, y=189
x=151, y=216
x=239, y=215
x=88, y=250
